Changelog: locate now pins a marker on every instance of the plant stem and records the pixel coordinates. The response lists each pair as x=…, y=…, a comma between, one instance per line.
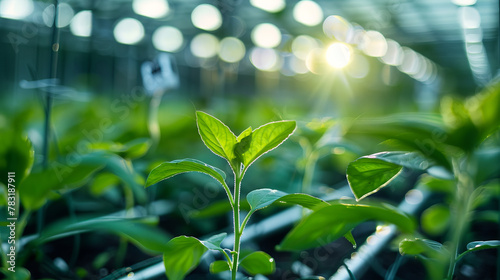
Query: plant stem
x=237, y=230
x=463, y=204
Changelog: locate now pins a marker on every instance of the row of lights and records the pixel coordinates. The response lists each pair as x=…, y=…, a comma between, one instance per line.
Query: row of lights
x=307, y=54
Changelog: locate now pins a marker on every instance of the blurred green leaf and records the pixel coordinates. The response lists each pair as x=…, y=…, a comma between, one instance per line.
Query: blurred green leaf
x=258, y=263
x=219, y=266
x=16, y=155
x=487, y=160
x=462, y=132
x=484, y=110
x=183, y=254
x=217, y=208
x=332, y=222
x=102, y=182
x=422, y=132
x=435, y=219
x=122, y=168
x=130, y=150
x=423, y=247
x=20, y=273
x=140, y=231
x=263, y=140
x=172, y=168
x=35, y=189
x=217, y=137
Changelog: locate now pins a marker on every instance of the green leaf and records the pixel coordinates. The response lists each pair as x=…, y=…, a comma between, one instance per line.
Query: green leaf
x=213, y=243
x=219, y=266
x=122, y=168
x=140, y=231
x=304, y=200
x=351, y=239
x=479, y=245
x=368, y=175
x=36, y=188
x=422, y=247
x=217, y=137
x=435, y=219
x=409, y=160
x=130, y=150
x=332, y=222
x=183, y=254
x=261, y=198
x=171, y=168
x=258, y=263
x=263, y=140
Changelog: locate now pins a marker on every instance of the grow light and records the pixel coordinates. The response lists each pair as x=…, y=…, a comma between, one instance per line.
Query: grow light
x=64, y=15
x=16, y=9
x=206, y=17
x=151, y=8
x=128, y=31
x=266, y=35
x=204, y=45
x=308, y=13
x=373, y=44
x=394, y=54
x=338, y=27
x=264, y=59
x=272, y=6
x=168, y=39
x=302, y=45
x=231, y=49
x=81, y=25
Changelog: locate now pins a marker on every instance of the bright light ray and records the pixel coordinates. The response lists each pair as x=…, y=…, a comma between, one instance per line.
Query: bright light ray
x=338, y=55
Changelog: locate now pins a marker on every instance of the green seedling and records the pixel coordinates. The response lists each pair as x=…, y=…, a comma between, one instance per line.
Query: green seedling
x=183, y=253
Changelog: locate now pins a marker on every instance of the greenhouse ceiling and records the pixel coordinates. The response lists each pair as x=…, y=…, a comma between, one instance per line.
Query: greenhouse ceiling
x=459, y=34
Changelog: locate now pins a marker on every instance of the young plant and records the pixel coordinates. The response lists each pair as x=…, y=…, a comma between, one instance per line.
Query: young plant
x=460, y=151
x=184, y=253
